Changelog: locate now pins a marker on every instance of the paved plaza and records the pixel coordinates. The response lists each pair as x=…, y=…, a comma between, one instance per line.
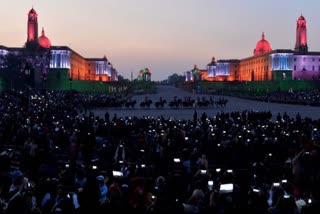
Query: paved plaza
x=234, y=104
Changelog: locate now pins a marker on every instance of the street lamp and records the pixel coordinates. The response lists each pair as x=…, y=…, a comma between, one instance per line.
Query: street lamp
x=27, y=73
x=70, y=81
x=44, y=81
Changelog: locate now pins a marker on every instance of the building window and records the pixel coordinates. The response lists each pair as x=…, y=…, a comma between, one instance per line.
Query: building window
x=313, y=60
x=313, y=68
x=295, y=67
x=296, y=59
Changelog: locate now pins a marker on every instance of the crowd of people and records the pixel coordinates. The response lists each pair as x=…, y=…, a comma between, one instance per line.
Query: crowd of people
x=56, y=158
x=309, y=97
x=303, y=97
x=100, y=100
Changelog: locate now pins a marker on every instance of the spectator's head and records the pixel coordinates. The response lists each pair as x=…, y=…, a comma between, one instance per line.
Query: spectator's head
x=160, y=182
x=287, y=204
x=17, y=177
x=100, y=179
x=61, y=190
x=197, y=196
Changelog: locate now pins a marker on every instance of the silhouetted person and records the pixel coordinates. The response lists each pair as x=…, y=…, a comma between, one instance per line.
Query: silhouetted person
x=106, y=117
x=195, y=116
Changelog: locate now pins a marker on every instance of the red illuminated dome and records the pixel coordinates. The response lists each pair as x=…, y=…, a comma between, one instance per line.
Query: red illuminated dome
x=262, y=47
x=44, y=41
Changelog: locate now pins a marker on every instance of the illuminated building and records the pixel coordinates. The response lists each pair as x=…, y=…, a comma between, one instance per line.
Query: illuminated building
x=222, y=70
x=46, y=59
x=267, y=64
x=144, y=75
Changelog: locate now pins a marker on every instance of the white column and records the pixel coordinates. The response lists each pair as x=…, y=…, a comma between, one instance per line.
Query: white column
x=62, y=60
x=59, y=59
x=50, y=59
x=55, y=59
x=68, y=59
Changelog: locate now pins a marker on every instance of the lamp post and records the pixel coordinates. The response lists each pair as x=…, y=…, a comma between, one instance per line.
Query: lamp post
x=70, y=81
x=44, y=79
x=27, y=73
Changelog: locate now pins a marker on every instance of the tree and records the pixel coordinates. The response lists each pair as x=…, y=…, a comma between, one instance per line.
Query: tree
x=12, y=66
x=12, y=70
x=39, y=60
x=175, y=78
x=122, y=79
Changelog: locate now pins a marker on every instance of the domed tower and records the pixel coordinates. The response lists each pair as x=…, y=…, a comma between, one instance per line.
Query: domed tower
x=262, y=46
x=146, y=74
x=301, y=35
x=44, y=41
x=213, y=61
x=211, y=68
x=32, y=26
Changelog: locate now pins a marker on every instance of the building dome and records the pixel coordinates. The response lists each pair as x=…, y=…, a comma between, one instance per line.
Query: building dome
x=44, y=41
x=262, y=47
x=301, y=18
x=213, y=61
x=147, y=71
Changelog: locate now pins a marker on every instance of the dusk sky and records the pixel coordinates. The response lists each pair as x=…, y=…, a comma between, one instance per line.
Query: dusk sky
x=167, y=36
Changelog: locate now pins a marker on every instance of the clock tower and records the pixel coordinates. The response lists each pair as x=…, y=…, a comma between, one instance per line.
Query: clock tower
x=32, y=26
x=301, y=35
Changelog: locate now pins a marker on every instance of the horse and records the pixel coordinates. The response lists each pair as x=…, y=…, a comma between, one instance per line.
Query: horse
x=175, y=103
x=222, y=102
x=130, y=103
x=146, y=103
x=203, y=102
x=160, y=103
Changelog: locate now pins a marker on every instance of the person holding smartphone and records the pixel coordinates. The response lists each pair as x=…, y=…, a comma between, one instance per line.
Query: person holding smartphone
x=103, y=189
x=63, y=202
